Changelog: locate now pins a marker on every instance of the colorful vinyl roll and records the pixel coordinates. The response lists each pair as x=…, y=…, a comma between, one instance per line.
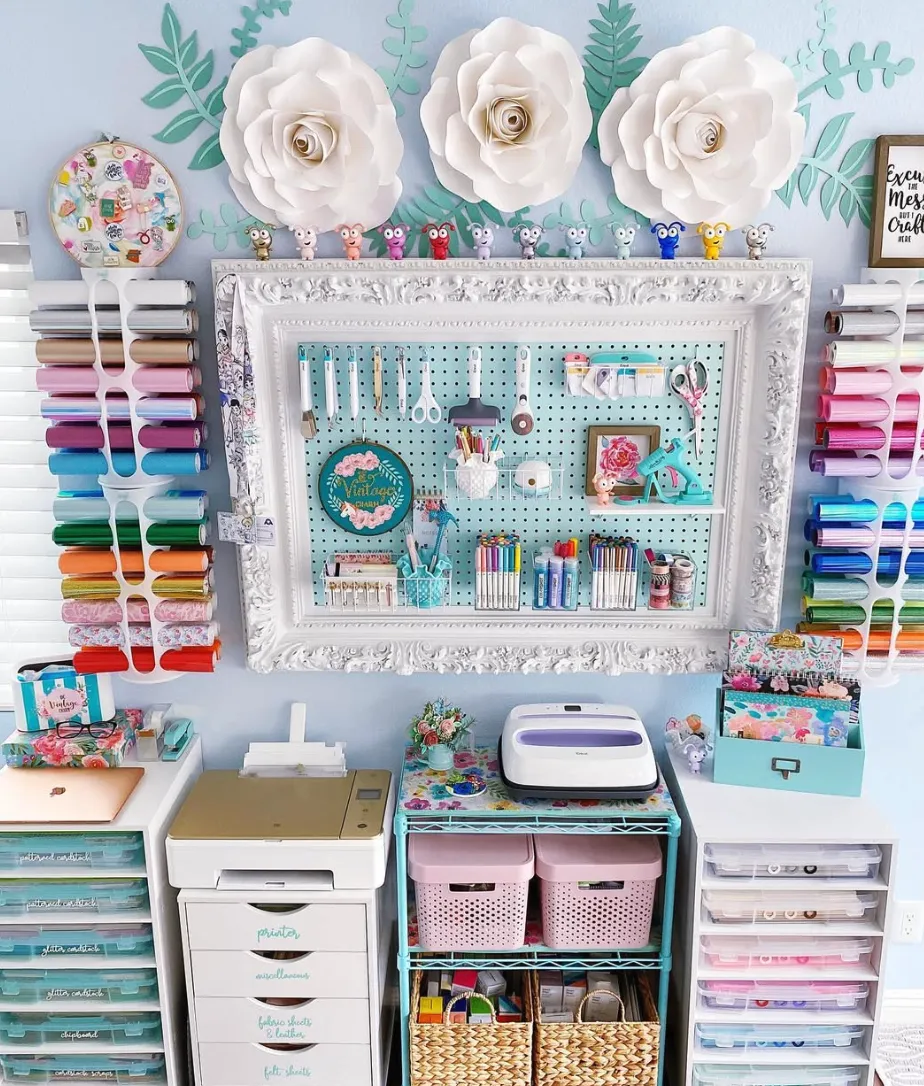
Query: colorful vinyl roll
x=85, y=379
x=89, y=435
x=153, y=463
x=160, y=352
x=859, y=382
x=91, y=661
x=851, y=589
x=869, y=438
x=910, y=614
x=839, y=510
x=864, y=322
x=76, y=292
x=172, y=636
x=907, y=640
x=177, y=321
x=173, y=506
x=173, y=586
x=150, y=408
x=94, y=561
x=870, y=352
x=109, y=611
x=99, y=534
x=864, y=537
x=888, y=563
x=866, y=409
x=849, y=465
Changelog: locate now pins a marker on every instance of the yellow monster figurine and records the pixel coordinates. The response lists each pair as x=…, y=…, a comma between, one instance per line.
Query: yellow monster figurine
x=713, y=238
x=261, y=238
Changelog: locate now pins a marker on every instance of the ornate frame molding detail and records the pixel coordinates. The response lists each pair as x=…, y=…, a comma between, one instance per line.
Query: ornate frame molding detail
x=759, y=309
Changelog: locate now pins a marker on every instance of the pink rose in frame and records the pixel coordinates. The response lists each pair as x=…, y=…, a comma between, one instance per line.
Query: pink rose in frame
x=620, y=457
x=614, y=453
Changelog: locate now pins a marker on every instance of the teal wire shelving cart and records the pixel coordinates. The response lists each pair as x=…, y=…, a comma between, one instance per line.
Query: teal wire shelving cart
x=426, y=804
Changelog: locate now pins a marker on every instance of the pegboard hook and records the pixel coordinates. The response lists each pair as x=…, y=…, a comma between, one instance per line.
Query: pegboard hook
x=364, y=428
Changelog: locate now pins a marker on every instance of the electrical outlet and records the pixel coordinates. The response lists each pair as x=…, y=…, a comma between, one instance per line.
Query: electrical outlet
x=909, y=922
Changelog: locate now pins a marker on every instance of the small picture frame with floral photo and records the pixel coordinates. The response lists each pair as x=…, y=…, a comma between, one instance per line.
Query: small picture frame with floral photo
x=614, y=452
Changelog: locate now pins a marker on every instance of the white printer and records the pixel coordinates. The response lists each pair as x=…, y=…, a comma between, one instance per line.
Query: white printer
x=287, y=915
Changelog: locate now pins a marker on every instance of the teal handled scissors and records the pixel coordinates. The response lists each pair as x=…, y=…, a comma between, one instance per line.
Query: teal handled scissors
x=689, y=380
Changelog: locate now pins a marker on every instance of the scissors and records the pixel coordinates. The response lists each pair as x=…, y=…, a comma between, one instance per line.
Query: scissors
x=426, y=409
x=689, y=380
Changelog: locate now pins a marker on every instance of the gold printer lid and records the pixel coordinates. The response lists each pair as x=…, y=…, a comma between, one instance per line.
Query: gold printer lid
x=224, y=806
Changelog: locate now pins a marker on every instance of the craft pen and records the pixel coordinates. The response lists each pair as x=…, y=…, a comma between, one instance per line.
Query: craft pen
x=517, y=561
x=556, y=568
x=571, y=583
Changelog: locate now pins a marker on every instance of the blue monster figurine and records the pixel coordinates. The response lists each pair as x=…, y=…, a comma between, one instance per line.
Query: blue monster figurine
x=575, y=239
x=668, y=235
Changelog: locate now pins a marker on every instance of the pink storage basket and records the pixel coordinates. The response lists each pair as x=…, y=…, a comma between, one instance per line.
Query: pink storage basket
x=577, y=916
x=450, y=916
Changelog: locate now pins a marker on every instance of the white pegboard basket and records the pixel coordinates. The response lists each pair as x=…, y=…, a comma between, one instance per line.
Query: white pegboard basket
x=351, y=595
x=534, y=481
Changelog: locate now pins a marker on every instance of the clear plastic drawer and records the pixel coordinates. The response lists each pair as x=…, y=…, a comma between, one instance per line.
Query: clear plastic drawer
x=130, y=1068
x=77, y=985
x=80, y=851
x=771, y=995
x=729, y=1035
x=787, y=906
x=21, y=896
x=793, y=861
x=746, y=952
x=35, y=1030
x=41, y=941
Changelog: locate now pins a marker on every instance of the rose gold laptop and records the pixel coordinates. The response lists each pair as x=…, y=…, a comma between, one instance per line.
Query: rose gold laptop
x=65, y=795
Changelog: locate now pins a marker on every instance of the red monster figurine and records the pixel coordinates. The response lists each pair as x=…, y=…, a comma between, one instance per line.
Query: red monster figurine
x=439, y=238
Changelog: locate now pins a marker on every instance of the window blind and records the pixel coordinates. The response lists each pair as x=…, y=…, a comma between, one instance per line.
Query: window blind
x=30, y=592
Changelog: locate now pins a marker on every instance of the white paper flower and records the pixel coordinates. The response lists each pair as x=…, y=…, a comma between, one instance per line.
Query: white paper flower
x=506, y=115
x=310, y=136
x=707, y=131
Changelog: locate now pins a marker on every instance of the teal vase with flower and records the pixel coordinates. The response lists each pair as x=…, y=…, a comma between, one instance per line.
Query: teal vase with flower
x=438, y=732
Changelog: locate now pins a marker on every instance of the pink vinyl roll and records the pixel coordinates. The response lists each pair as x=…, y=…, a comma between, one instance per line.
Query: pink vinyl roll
x=105, y=611
x=85, y=379
x=848, y=464
x=868, y=437
x=866, y=409
x=89, y=435
x=865, y=537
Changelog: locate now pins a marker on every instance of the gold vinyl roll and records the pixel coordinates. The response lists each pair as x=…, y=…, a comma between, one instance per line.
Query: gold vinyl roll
x=170, y=352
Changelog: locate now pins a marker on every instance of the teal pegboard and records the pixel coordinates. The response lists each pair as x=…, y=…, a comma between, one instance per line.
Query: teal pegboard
x=559, y=436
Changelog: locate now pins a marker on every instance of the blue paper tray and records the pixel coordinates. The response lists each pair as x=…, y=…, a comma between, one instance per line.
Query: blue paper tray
x=77, y=985
x=41, y=942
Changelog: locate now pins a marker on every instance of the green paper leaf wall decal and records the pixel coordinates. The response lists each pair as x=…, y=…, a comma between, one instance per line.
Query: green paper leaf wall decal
x=398, y=77
x=159, y=59
x=165, y=94
x=246, y=34
x=831, y=136
x=855, y=156
x=170, y=29
x=208, y=155
x=828, y=196
x=808, y=177
x=607, y=63
x=233, y=227
x=182, y=125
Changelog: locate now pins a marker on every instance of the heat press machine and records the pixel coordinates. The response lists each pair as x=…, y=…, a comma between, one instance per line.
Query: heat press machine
x=671, y=458
x=287, y=914
x=576, y=751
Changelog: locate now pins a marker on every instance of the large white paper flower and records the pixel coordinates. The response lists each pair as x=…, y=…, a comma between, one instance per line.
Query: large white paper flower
x=707, y=131
x=506, y=115
x=310, y=136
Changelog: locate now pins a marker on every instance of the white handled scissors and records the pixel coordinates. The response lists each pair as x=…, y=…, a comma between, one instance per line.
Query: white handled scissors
x=426, y=409
x=689, y=380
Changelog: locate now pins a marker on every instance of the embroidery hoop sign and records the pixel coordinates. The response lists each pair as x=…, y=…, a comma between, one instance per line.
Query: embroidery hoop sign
x=114, y=205
x=365, y=488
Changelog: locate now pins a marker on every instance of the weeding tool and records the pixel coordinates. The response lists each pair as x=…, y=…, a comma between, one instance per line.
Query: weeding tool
x=474, y=413
x=331, y=404
x=309, y=423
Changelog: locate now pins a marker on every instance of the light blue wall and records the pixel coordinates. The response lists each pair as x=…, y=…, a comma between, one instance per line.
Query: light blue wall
x=70, y=70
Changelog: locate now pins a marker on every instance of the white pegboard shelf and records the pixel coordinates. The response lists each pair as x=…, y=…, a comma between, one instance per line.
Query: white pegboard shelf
x=651, y=509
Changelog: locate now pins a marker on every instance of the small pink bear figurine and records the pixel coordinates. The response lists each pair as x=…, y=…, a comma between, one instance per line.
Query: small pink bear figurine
x=352, y=239
x=395, y=236
x=306, y=238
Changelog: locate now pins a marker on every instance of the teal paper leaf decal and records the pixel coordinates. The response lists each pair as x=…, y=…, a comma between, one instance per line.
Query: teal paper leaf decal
x=158, y=58
x=860, y=66
x=607, y=61
x=208, y=155
x=165, y=94
x=855, y=156
x=828, y=196
x=831, y=136
x=807, y=55
x=808, y=178
x=182, y=125
x=246, y=34
x=407, y=58
x=233, y=227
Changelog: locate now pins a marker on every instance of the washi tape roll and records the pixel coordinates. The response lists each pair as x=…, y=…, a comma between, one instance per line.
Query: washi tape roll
x=683, y=583
x=659, y=589
x=114, y=205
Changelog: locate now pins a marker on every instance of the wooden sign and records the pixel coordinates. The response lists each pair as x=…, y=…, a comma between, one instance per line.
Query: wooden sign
x=896, y=237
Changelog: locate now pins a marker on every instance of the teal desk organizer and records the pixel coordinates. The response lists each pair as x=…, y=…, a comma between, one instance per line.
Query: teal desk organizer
x=422, y=588
x=791, y=767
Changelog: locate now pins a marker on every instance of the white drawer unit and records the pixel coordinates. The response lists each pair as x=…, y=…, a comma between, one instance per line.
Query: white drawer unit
x=782, y=921
x=289, y=953
x=91, y=963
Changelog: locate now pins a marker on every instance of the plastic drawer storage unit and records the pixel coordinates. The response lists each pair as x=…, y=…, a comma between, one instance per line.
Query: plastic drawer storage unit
x=793, y=861
x=750, y=952
x=40, y=942
x=751, y=1075
x=130, y=1068
x=471, y=889
x=787, y=906
x=722, y=1035
x=80, y=851
x=35, y=1030
x=597, y=891
x=93, y=895
x=774, y=995
x=78, y=986
x=91, y=965
x=780, y=952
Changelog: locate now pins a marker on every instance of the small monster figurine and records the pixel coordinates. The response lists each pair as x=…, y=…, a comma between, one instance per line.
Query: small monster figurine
x=668, y=235
x=575, y=239
x=306, y=238
x=483, y=236
x=624, y=233
x=261, y=238
x=395, y=235
x=696, y=755
x=352, y=239
x=713, y=238
x=757, y=239
x=438, y=236
x=527, y=237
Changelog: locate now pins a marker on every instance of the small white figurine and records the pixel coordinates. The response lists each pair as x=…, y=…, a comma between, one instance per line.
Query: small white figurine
x=624, y=233
x=306, y=238
x=757, y=239
x=483, y=236
x=696, y=755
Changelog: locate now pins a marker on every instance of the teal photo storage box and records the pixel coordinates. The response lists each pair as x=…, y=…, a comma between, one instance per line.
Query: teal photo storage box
x=791, y=767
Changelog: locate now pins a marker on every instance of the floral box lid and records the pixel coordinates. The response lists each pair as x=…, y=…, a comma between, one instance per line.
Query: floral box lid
x=37, y=750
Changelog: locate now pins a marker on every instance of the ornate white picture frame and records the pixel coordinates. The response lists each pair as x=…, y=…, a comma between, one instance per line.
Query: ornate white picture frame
x=758, y=309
